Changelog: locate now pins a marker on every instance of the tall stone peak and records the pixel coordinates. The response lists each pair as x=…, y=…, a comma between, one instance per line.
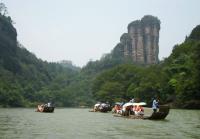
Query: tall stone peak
x=141, y=41
x=136, y=23
x=150, y=20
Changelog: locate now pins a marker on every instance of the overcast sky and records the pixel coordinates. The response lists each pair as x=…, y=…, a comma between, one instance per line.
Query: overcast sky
x=83, y=30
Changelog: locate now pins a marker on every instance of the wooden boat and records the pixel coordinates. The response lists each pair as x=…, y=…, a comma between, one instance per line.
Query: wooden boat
x=160, y=115
x=104, y=110
x=130, y=116
x=45, y=108
x=92, y=110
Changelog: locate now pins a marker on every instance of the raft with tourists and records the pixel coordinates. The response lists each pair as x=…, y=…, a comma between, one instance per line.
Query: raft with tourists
x=49, y=108
x=101, y=107
x=136, y=111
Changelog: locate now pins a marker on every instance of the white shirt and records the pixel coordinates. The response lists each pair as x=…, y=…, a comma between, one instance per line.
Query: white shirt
x=155, y=104
x=132, y=100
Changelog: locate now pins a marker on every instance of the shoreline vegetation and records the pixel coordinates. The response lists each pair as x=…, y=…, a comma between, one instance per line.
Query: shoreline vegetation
x=26, y=81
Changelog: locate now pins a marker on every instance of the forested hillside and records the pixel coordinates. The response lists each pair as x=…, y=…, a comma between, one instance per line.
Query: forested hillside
x=26, y=80
x=174, y=80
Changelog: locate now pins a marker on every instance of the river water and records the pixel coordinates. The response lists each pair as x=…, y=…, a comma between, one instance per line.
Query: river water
x=70, y=123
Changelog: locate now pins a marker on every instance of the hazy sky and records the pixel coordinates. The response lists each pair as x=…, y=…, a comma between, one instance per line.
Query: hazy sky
x=83, y=30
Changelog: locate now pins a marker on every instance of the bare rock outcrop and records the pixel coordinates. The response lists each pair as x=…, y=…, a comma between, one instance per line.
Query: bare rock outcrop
x=141, y=41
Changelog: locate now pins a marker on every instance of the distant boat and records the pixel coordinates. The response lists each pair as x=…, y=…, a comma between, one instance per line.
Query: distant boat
x=45, y=108
x=101, y=107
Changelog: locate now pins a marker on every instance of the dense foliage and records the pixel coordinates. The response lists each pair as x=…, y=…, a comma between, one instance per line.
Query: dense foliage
x=26, y=80
x=175, y=80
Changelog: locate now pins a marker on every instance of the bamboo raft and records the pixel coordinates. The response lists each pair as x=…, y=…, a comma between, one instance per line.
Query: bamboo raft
x=160, y=115
x=48, y=109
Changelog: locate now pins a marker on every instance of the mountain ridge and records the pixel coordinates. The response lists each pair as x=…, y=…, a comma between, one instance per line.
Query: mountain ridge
x=26, y=80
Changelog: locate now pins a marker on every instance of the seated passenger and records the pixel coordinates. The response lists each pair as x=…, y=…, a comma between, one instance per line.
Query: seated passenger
x=134, y=109
x=118, y=109
x=96, y=107
x=139, y=110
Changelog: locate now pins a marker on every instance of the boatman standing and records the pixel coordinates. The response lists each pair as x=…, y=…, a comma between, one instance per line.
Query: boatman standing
x=155, y=105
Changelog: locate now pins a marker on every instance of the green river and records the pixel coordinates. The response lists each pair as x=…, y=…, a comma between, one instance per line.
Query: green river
x=71, y=123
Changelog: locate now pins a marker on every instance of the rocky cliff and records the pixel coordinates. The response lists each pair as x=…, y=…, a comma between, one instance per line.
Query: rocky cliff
x=141, y=41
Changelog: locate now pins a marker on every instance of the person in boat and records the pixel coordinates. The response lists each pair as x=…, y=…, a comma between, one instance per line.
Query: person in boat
x=117, y=108
x=139, y=110
x=126, y=110
x=40, y=108
x=96, y=106
x=49, y=104
x=132, y=100
x=155, y=105
x=104, y=107
x=134, y=109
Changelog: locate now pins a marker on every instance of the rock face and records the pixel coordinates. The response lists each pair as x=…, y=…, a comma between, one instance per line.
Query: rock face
x=141, y=41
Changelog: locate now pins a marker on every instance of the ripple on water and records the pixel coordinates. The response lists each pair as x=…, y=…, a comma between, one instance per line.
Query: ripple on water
x=79, y=123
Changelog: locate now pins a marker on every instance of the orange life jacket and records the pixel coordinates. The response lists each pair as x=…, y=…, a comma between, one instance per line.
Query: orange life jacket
x=139, y=108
